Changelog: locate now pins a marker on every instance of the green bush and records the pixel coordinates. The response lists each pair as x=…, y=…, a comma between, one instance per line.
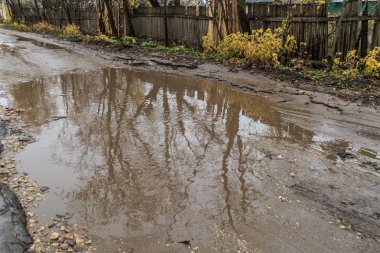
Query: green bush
x=128, y=40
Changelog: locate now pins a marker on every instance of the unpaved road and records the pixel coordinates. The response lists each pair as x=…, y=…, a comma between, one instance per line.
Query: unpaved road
x=154, y=161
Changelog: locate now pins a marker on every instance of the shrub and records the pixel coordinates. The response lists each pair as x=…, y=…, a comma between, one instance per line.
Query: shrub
x=45, y=27
x=148, y=44
x=208, y=44
x=128, y=40
x=17, y=26
x=71, y=32
x=348, y=66
x=261, y=48
x=180, y=49
x=105, y=38
x=352, y=65
x=371, y=63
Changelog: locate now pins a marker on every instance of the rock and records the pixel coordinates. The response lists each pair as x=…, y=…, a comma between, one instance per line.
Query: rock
x=68, y=215
x=78, y=248
x=30, y=214
x=50, y=225
x=23, y=138
x=44, y=188
x=54, y=236
x=78, y=239
x=279, y=157
x=55, y=219
x=64, y=246
x=70, y=242
x=292, y=174
x=60, y=216
x=69, y=236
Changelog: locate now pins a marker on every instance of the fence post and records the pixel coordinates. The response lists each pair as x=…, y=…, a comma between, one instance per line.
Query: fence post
x=364, y=32
x=166, y=24
x=376, y=28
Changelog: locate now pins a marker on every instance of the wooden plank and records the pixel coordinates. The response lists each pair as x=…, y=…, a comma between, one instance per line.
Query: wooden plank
x=316, y=19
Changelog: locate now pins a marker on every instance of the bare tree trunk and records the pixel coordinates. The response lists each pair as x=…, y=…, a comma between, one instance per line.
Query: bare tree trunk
x=66, y=7
x=220, y=26
x=128, y=18
x=13, y=12
x=38, y=13
x=21, y=15
x=100, y=9
x=43, y=14
x=111, y=20
x=234, y=16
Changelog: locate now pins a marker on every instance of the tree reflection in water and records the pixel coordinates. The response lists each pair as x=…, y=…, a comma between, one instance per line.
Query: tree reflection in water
x=157, y=154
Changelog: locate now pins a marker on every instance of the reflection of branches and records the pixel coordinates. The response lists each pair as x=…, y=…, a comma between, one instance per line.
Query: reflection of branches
x=115, y=123
x=242, y=172
x=232, y=127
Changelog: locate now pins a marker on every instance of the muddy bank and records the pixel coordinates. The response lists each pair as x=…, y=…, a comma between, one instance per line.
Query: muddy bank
x=14, y=237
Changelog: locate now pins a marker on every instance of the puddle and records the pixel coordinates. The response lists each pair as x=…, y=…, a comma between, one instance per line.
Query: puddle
x=147, y=160
x=39, y=43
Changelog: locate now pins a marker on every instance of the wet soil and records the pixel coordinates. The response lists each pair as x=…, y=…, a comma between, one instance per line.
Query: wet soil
x=14, y=237
x=154, y=161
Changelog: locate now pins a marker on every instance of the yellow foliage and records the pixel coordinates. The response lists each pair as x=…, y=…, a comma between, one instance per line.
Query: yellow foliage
x=71, y=30
x=105, y=38
x=18, y=26
x=101, y=37
x=45, y=27
x=312, y=1
x=371, y=63
x=352, y=65
x=260, y=48
x=234, y=46
x=208, y=44
x=348, y=67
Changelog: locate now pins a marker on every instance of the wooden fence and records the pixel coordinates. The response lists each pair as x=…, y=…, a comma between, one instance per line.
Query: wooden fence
x=185, y=24
x=307, y=23
x=310, y=24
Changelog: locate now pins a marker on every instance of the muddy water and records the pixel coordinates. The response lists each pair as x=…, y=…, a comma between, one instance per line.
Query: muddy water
x=152, y=162
x=39, y=43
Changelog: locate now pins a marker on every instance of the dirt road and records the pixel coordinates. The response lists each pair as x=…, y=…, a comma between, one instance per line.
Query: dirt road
x=153, y=157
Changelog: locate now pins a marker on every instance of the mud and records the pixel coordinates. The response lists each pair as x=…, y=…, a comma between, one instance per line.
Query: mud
x=156, y=162
x=14, y=238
